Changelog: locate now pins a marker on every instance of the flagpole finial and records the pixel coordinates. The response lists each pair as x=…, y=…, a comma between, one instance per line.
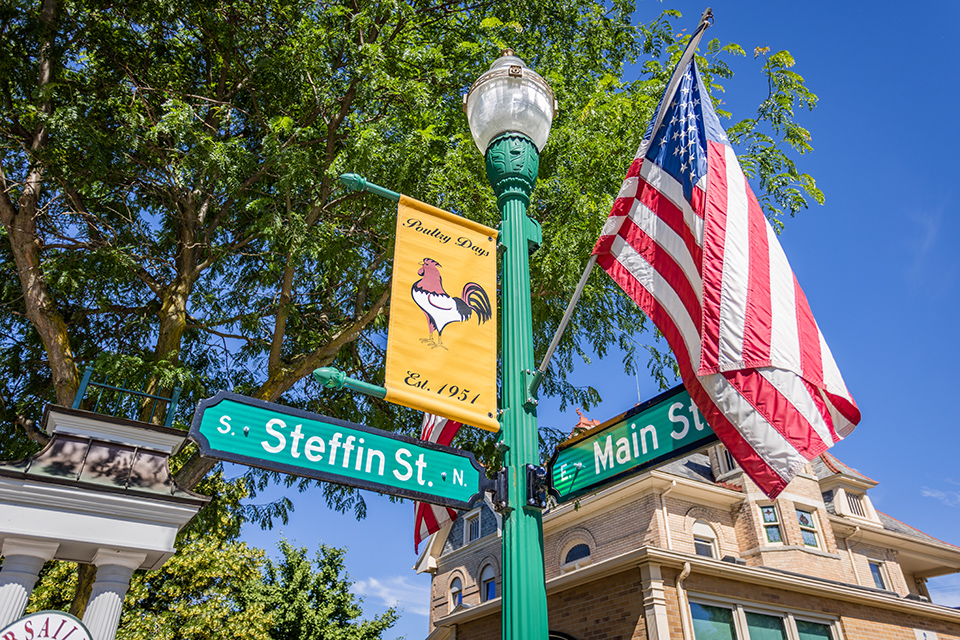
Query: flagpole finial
x=706, y=20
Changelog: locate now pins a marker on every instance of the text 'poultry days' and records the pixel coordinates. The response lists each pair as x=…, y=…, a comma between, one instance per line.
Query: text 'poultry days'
x=466, y=243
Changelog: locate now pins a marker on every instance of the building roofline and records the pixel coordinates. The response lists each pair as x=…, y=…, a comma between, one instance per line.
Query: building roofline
x=763, y=576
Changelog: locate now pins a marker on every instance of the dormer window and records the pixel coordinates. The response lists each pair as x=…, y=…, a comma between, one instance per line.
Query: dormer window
x=852, y=502
x=471, y=528
x=855, y=503
x=725, y=460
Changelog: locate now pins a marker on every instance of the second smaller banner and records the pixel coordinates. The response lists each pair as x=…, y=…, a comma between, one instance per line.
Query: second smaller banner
x=441, y=349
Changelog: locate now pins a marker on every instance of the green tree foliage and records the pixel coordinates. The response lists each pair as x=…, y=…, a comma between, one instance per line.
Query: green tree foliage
x=217, y=586
x=199, y=593
x=171, y=213
x=308, y=600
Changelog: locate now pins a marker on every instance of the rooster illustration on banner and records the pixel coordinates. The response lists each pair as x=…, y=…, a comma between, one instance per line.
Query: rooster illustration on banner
x=440, y=307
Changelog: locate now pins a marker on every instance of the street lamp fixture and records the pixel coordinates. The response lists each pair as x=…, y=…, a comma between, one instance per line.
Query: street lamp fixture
x=510, y=97
x=510, y=109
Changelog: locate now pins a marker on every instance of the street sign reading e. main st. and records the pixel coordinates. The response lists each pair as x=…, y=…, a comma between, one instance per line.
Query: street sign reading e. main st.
x=239, y=429
x=651, y=434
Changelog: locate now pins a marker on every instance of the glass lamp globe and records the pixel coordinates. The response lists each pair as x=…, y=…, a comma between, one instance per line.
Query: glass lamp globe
x=508, y=98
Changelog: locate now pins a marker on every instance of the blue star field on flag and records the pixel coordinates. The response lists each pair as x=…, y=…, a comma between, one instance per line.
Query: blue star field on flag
x=680, y=146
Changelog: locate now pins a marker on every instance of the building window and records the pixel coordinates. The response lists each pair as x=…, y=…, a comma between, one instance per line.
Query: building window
x=488, y=583
x=727, y=463
x=855, y=503
x=771, y=523
x=472, y=528
x=808, y=528
x=807, y=630
x=576, y=556
x=456, y=593
x=712, y=623
x=724, y=620
x=763, y=627
x=704, y=539
x=877, y=571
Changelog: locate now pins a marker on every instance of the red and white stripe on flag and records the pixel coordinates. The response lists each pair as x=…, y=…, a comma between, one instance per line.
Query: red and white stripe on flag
x=431, y=518
x=688, y=242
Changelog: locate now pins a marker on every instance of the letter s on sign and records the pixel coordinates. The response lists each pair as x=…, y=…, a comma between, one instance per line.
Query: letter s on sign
x=225, y=421
x=276, y=434
x=404, y=463
x=678, y=435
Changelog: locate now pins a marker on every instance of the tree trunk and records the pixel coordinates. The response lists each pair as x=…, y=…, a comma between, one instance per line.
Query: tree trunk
x=86, y=575
x=20, y=222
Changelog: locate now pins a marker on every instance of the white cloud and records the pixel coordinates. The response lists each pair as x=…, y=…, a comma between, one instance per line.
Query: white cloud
x=396, y=591
x=949, y=498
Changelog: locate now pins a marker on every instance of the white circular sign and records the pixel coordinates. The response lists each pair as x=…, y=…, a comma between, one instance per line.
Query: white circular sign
x=56, y=625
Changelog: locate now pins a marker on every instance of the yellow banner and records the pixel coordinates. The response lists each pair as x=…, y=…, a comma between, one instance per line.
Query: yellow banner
x=442, y=346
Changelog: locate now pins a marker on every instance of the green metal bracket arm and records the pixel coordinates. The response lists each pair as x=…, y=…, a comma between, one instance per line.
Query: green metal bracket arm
x=530, y=377
x=534, y=386
x=356, y=182
x=332, y=378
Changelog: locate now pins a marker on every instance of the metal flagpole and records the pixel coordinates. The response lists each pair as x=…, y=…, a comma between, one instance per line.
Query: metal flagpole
x=705, y=21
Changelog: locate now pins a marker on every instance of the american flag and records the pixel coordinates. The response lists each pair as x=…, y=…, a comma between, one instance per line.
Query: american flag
x=688, y=242
x=430, y=518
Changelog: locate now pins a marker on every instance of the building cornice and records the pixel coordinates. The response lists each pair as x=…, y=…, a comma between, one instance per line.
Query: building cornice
x=940, y=553
x=58, y=497
x=651, y=482
x=112, y=429
x=717, y=568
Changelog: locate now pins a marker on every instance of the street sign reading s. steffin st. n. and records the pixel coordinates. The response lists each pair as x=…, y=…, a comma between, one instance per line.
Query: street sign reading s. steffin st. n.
x=270, y=436
x=653, y=433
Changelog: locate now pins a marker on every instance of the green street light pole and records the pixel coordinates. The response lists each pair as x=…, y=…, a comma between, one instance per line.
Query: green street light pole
x=510, y=110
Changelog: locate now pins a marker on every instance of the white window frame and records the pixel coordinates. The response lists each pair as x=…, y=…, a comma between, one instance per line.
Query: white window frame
x=566, y=567
x=815, y=529
x=779, y=524
x=704, y=533
x=856, y=502
x=726, y=461
x=841, y=503
x=483, y=583
x=451, y=599
x=789, y=616
x=884, y=574
x=468, y=520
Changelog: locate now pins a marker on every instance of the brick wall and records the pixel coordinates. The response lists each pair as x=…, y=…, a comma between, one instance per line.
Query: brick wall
x=613, y=532
x=609, y=608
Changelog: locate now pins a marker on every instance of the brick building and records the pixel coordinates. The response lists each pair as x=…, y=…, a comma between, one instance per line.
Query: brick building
x=694, y=551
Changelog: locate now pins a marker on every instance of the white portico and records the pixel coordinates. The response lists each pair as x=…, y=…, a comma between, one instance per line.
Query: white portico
x=100, y=492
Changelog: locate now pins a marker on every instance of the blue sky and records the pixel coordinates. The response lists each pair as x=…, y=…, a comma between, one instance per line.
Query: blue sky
x=876, y=262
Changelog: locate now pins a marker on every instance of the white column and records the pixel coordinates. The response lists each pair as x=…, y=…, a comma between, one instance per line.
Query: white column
x=114, y=569
x=654, y=602
x=22, y=561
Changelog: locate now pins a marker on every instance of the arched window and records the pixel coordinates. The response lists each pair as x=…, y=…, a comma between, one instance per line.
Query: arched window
x=488, y=583
x=576, y=556
x=456, y=593
x=577, y=552
x=704, y=539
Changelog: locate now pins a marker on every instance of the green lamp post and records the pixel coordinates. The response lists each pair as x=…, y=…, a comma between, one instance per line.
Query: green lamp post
x=510, y=109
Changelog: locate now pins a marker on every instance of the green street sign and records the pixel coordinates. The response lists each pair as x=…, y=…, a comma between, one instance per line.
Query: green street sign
x=261, y=434
x=653, y=433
